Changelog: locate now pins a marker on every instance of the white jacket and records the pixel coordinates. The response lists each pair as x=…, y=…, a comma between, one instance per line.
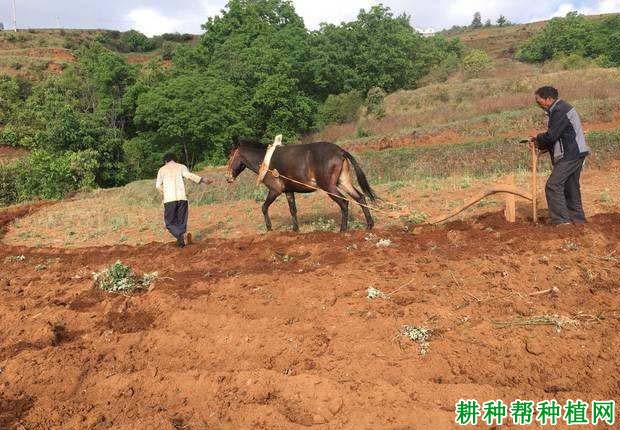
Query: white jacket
x=170, y=181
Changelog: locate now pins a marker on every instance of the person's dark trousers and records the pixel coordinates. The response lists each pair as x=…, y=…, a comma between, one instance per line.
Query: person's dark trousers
x=175, y=217
x=564, y=193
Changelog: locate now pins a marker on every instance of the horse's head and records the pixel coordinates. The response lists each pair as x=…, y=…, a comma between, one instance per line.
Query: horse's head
x=236, y=163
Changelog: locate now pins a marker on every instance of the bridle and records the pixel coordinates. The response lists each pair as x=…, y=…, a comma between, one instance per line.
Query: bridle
x=232, y=158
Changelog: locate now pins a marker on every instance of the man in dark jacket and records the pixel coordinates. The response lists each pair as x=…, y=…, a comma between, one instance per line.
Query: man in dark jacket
x=566, y=143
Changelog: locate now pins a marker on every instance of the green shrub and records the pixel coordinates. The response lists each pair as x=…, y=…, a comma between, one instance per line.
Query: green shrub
x=374, y=101
x=71, y=44
x=167, y=50
x=39, y=65
x=340, y=108
x=142, y=157
x=53, y=175
x=476, y=63
x=441, y=72
x=9, y=136
x=575, y=34
x=361, y=132
x=134, y=41
x=572, y=61
x=8, y=184
x=177, y=37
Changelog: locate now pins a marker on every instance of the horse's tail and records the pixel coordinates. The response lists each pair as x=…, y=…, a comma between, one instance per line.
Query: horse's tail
x=361, y=177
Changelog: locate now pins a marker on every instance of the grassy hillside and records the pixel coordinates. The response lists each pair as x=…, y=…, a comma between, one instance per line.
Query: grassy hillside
x=502, y=42
x=496, y=104
x=35, y=53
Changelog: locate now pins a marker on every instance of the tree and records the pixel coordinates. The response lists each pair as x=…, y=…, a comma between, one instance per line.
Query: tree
x=573, y=34
x=195, y=115
x=134, y=41
x=377, y=49
x=477, y=21
x=502, y=21
x=487, y=23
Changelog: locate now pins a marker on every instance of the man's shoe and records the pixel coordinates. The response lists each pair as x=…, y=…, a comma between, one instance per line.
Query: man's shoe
x=187, y=238
x=180, y=242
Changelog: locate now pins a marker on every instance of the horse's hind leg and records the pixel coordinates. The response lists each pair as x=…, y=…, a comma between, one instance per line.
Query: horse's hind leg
x=346, y=184
x=344, y=207
x=290, y=196
x=268, y=201
x=362, y=201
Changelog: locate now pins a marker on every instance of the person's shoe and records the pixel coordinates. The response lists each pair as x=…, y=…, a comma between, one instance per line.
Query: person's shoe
x=187, y=238
x=180, y=243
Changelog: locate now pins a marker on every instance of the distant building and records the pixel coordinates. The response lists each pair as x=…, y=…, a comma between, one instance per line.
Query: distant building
x=426, y=32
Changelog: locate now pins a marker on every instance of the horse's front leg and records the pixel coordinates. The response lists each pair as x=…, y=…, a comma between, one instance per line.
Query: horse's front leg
x=290, y=196
x=268, y=201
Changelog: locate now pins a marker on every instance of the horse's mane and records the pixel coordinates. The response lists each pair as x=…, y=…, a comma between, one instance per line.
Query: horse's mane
x=248, y=143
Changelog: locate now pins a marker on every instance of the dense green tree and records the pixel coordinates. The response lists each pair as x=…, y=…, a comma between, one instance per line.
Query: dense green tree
x=134, y=41
x=195, y=114
x=575, y=35
x=377, y=49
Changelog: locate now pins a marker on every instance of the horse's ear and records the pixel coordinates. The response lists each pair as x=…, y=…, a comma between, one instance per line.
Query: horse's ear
x=235, y=141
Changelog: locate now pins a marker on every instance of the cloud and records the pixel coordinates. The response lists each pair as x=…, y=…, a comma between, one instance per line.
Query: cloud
x=151, y=21
x=186, y=19
x=186, y=16
x=599, y=7
x=314, y=12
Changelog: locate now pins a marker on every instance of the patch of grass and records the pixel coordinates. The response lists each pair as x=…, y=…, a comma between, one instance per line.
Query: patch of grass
x=259, y=195
x=605, y=197
x=474, y=160
x=356, y=224
x=416, y=217
x=488, y=202
x=361, y=132
x=464, y=182
x=121, y=279
x=324, y=224
x=116, y=223
x=396, y=185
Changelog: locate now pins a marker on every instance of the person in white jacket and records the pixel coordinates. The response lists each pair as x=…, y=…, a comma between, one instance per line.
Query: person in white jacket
x=170, y=183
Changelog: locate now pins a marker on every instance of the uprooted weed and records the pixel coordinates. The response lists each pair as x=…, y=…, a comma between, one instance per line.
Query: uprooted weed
x=558, y=321
x=121, y=279
x=421, y=335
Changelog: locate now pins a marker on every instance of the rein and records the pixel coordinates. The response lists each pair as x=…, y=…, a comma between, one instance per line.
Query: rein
x=277, y=174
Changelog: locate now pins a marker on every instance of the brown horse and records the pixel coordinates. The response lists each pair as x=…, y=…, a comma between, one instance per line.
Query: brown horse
x=321, y=164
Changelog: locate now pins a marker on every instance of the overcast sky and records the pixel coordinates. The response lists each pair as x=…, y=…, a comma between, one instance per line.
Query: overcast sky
x=185, y=16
